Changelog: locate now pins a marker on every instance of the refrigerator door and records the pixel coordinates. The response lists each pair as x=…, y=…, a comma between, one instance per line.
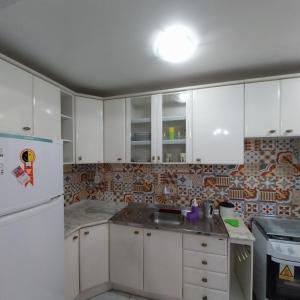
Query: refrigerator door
x=37, y=162
x=32, y=253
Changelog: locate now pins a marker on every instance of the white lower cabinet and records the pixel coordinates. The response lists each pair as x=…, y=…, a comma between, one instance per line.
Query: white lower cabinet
x=72, y=266
x=126, y=256
x=93, y=256
x=163, y=263
x=194, y=292
x=205, y=268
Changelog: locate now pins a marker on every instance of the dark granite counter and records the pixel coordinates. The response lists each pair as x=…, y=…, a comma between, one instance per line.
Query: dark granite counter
x=140, y=215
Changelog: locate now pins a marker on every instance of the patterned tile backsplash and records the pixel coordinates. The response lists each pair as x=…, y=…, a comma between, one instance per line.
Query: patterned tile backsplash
x=268, y=183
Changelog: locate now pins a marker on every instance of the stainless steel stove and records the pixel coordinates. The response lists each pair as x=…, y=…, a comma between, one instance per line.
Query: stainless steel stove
x=276, y=258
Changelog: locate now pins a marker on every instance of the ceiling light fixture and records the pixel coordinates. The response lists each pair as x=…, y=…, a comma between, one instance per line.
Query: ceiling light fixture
x=175, y=44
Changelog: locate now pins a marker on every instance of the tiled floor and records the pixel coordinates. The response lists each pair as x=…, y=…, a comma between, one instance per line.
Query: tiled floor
x=113, y=295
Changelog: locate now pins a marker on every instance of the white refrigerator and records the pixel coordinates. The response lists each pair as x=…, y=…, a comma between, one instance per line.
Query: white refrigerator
x=31, y=219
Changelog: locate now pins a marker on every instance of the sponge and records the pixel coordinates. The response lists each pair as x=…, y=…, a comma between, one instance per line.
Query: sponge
x=232, y=222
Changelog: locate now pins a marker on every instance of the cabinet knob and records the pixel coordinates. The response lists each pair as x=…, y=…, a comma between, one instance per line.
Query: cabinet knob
x=26, y=128
x=272, y=131
x=204, y=298
x=153, y=158
x=119, y=159
x=204, y=262
x=86, y=233
x=79, y=157
x=204, y=279
x=198, y=159
x=158, y=158
x=289, y=131
x=75, y=237
x=148, y=233
x=136, y=232
x=204, y=244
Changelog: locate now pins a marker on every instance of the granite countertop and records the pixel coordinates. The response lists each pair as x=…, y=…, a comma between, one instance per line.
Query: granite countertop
x=139, y=215
x=89, y=213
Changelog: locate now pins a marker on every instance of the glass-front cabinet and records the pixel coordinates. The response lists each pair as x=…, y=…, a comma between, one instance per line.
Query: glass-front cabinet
x=175, y=143
x=139, y=129
x=159, y=128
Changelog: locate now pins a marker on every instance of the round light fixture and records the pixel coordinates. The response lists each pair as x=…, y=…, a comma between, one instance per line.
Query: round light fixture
x=175, y=44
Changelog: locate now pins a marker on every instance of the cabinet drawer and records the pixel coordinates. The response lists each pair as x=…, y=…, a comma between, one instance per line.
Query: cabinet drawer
x=205, y=244
x=193, y=292
x=205, y=278
x=205, y=261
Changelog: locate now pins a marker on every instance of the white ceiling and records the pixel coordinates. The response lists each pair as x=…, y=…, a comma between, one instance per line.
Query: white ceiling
x=104, y=47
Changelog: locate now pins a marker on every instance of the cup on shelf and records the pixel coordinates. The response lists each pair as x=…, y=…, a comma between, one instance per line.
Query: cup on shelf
x=171, y=131
x=168, y=157
x=182, y=157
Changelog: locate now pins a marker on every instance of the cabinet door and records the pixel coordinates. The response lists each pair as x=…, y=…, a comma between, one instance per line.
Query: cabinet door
x=72, y=266
x=114, y=131
x=290, y=107
x=262, y=109
x=126, y=256
x=89, y=130
x=163, y=263
x=174, y=132
x=139, y=129
x=47, y=114
x=15, y=100
x=93, y=256
x=218, y=125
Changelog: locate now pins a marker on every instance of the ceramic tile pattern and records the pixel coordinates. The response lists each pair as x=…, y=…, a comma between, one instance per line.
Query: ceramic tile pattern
x=268, y=183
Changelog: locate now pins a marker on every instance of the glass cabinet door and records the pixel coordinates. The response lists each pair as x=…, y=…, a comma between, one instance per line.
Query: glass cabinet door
x=140, y=129
x=174, y=127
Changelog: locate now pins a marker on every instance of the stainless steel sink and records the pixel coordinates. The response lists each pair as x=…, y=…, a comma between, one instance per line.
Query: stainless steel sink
x=163, y=218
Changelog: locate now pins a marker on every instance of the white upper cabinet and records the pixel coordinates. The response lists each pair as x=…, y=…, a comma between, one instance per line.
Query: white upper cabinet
x=174, y=127
x=114, y=131
x=262, y=109
x=162, y=266
x=159, y=128
x=47, y=109
x=89, y=130
x=139, y=130
x=218, y=125
x=16, y=103
x=290, y=107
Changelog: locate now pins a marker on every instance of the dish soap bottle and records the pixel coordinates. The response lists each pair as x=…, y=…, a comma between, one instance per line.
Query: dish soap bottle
x=194, y=214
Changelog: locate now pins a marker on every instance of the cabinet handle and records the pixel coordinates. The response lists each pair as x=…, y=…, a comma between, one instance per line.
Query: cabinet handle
x=158, y=158
x=86, y=233
x=136, y=232
x=79, y=157
x=204, y=244
x=204, y=298
x=26, y=128
x=148, y=233
x=153, y=158
x=204, y=262
x=198, y=160
x=75, y=237
x=289, y=131
x=204, y=279
x=272, y=131
x=119, y=159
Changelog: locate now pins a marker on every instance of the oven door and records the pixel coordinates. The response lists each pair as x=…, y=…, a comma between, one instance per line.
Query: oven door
x=283, y=279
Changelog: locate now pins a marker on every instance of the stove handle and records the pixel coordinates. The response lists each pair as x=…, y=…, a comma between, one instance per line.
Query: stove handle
x=286, y=262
